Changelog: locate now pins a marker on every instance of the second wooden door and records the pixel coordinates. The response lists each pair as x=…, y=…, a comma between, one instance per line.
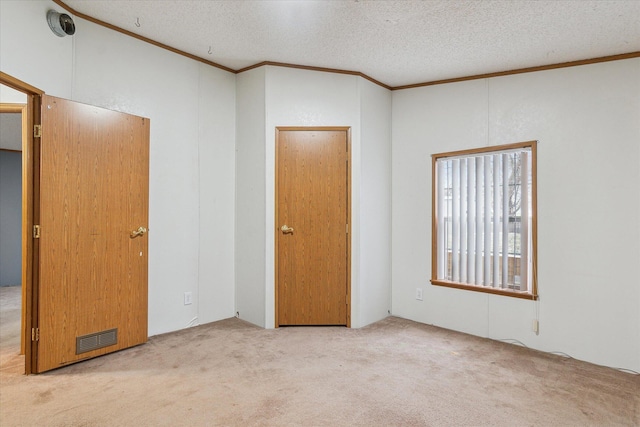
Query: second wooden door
x=312, y=235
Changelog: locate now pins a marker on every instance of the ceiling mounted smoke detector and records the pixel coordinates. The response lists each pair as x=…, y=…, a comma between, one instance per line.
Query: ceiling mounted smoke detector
x=60, y=23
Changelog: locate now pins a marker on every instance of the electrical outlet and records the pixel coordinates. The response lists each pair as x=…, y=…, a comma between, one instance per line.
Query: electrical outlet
x=419, y=294
x=188, y=298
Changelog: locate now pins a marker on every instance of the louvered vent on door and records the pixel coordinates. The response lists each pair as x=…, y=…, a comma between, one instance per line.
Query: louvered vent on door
x=96, y=340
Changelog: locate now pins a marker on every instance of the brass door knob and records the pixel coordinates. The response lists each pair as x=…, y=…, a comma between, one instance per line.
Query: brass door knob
x=141, y=231
x=286, y=230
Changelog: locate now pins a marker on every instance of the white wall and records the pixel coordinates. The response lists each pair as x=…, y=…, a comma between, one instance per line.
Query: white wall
x=10, y=215
x=374, y=292
x=30, y=51
x=250, y=196
x=587, y=120
x=192, y=172
x=11, y=131
x=12, y=96
x=11, y=190
x=216, y=155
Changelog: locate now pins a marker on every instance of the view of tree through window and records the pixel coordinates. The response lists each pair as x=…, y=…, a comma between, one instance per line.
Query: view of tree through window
x=483, y=218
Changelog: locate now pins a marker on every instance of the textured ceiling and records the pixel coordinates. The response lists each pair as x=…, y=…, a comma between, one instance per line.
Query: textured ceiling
x=394, y=42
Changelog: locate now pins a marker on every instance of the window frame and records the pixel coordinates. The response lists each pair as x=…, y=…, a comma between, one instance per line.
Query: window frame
x=531, y=294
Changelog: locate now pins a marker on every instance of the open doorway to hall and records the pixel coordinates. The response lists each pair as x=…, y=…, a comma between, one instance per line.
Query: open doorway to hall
x=11, y=299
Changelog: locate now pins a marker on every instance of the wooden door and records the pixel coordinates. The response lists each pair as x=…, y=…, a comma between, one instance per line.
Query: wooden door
x=92, y=281
x=312, y=221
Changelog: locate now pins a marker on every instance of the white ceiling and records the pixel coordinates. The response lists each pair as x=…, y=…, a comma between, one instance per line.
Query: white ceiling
x=394, y=42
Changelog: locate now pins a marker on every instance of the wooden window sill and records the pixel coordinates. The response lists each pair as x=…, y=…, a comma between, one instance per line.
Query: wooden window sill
x=485, y=289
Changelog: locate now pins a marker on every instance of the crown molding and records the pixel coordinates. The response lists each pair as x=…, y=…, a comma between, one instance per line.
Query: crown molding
x=139, y=37
x=353, y=73
x=323, y=69
x=524, y=70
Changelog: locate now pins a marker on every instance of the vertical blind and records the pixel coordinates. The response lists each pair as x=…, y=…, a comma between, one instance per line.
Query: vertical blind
x=483, y=209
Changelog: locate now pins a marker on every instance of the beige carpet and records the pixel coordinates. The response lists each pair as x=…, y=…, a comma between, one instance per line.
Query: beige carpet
x=393, y=373
x=10, y=306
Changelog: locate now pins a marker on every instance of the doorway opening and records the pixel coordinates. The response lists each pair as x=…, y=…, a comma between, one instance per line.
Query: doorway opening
x=11, y=346
x=13, y=122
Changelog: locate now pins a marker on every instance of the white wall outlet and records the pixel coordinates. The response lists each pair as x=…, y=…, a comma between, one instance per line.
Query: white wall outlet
x=419, y=294
x=188, y=298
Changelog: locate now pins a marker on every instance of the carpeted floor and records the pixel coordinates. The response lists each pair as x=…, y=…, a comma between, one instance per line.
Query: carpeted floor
x=10, y=306
x=393, y=373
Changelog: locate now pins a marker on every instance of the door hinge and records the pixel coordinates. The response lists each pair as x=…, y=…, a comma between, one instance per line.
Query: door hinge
x=37, y=131
x=347, y=228
x=36, y=231
x=35, y=334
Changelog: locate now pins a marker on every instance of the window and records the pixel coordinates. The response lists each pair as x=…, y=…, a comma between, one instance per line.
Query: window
x=484, y=220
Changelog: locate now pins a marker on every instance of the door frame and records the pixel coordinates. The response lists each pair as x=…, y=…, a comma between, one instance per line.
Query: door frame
x=276, y=227
x=31, y=116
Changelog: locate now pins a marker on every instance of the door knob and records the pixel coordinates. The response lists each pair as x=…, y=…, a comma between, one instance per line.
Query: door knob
x=286, y=230
x=141, y=231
